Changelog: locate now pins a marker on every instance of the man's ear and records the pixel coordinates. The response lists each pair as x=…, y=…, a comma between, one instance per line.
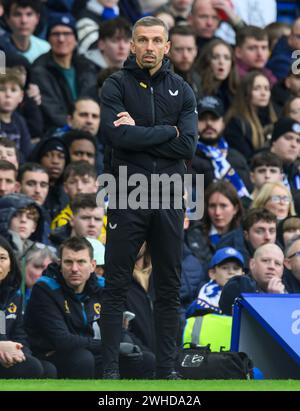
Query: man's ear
x=94, y=265
x=17, y=187
x=72, y=221
x=238, y=52
x=246, y=235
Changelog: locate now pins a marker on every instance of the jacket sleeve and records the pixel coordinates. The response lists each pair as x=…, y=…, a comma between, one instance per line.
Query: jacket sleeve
x=53, y=106
x=49, y=322
x=134, y=138
x=184, y=146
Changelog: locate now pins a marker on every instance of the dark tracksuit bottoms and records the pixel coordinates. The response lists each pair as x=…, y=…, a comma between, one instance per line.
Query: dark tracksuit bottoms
x=126, y=232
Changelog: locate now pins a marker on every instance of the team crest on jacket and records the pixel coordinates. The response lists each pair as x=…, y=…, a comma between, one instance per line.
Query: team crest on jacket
x=97, y=308
x=67, y=309
x=12, y=308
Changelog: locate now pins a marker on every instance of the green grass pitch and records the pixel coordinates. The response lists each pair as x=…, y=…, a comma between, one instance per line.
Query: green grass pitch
x=149, y=385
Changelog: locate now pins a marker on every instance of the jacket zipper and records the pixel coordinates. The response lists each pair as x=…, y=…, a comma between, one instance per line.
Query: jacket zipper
x=153, y=120
x=85, y=321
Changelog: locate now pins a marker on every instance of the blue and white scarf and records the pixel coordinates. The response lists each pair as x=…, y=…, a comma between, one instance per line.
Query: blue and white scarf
x=222, y=168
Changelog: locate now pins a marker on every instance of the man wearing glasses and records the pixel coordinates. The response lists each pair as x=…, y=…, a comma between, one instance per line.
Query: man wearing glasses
x=62, y=75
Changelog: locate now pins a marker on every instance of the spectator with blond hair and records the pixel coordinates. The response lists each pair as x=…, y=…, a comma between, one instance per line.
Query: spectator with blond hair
x=276, y=198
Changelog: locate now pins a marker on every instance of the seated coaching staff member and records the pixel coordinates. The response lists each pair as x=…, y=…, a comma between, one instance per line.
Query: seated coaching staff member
x=149, y=118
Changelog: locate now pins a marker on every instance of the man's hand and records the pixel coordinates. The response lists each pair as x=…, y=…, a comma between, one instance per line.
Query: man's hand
x=227, y=8
x=11, y=353
x=33, y=91
x=124, y=119
x=275, y=286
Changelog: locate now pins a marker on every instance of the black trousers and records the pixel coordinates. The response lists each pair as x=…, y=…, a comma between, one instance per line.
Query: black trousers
x=83, y=364
x=30, y=368
x=126, y=232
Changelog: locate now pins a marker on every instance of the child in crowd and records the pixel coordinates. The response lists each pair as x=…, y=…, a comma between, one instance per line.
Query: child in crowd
x=9, y=152
x=225, y=264
x=12, y=124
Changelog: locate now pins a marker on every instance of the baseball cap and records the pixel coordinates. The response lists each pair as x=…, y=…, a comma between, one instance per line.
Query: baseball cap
x=285, y=125
x=226, y=253
x=210, y=104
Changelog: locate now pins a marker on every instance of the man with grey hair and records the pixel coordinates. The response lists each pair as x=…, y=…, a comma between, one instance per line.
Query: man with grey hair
x=149, y=118
x=291, y=276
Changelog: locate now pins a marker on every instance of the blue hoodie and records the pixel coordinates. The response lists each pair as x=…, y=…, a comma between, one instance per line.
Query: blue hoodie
x=281, y=58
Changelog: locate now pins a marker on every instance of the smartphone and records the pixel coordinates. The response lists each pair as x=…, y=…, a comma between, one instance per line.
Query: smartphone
x=127, y=315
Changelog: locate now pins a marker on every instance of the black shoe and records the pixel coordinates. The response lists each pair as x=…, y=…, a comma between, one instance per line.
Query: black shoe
x=111, y=375
x=172, y=375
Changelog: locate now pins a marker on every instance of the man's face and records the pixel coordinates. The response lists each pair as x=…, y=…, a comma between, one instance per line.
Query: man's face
x=210, y=127
x=83, y=150
x=292, y=82
x=23, y=224
x=79, y=184
x=150, y=45
x=76, y=268
x=254, y=53
x=262, y=232
x=86, y=117
x=292, y=260
x=224, y=271
x=265, y=174
x=287, y=147
x=183, y=52
x=266, y=266
x=54, y=161
x=22, y=20
x=88, y=222
x=182, y=5
x=294, y=111
x=9, y=154
x=115, y=49
x=11, y=95
x=62, y=40
x=204, y=20
x=294, y=38
x=8, y=183
x=35, y=184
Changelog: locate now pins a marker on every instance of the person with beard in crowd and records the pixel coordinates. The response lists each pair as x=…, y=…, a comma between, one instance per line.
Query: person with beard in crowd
x=214, y=158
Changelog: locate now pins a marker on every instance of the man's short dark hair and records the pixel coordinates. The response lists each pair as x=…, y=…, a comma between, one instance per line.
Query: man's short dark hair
x=181, y=31
x=84, y=200
x=77, y=244
x=246, y=32
x=79, y=168
x=267, y=159
x=31, y=167
x=257, y=214
x=150, y=21
x=7, y=143
x=116, y=27
x=72, y=106
x=75, y=135
x=6, y=165
x=33, y=4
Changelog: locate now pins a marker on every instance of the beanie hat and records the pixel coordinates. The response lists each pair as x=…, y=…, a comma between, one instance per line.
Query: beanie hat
x=284, y=125
x=58, y=19
x=51, y=145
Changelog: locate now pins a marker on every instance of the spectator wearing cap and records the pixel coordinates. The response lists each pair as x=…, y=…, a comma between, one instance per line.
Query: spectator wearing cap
x=61, y=75
x=22, y=18
x=53, y=154
x=291, y=276
x=225, y=264
x=285, y=143
x=266, y=271
x=214, y=158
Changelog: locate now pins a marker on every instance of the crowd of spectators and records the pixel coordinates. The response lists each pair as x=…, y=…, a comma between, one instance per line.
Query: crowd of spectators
x=240, y=63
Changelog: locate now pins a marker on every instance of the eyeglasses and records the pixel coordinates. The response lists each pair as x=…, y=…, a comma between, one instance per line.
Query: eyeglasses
x=295, y=254
x=280, y=199
x=57, y=34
